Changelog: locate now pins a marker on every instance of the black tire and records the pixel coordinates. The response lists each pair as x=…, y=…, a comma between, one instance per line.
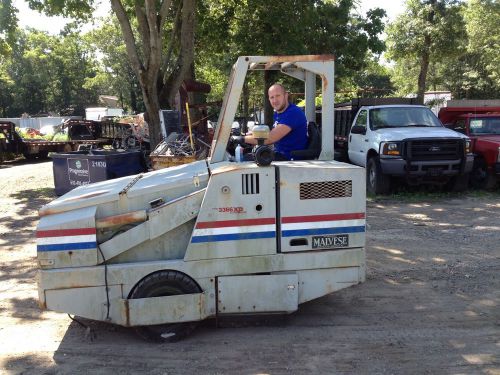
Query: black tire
x=376, y=181
x=480, y=177
x=159, y=284
x=116, y=144
x=458, y=184
x=131, y=142
x=43, y=155
x=29, y=156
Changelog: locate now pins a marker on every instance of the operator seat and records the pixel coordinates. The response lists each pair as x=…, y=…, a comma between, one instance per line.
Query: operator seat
x=313, y=144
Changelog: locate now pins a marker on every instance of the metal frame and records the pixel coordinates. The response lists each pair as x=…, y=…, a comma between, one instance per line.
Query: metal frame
x=304, y=68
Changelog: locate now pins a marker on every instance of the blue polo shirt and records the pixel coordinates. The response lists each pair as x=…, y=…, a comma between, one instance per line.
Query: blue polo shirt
x=296, y=139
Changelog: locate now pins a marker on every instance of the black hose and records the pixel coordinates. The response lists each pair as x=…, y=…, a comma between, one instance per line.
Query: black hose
x=105, y=283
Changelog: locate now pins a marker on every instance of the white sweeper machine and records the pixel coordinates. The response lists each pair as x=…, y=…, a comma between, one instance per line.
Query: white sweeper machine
x=162, y=250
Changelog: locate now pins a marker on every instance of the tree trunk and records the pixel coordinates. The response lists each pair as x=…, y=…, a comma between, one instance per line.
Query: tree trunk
x=245, y=99
x=424, y=66
x=424, y=57
x=152, y=104
x=186, y=55
x=269, y=77
x=133, y=98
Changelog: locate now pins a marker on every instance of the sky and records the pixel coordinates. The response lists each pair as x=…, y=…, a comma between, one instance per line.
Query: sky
x=53, y=25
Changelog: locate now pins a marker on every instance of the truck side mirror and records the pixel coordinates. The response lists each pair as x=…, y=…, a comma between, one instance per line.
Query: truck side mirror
x=357, y=129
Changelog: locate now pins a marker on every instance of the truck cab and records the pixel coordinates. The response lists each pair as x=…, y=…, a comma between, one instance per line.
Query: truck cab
x=162, y=250
x=481, y=123
x=408, y=142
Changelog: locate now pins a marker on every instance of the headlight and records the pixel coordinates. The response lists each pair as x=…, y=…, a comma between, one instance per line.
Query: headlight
x=467, y=146
x=390, y=148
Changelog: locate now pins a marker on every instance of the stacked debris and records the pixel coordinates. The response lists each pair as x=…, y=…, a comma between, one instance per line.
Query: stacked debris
x=178, y=149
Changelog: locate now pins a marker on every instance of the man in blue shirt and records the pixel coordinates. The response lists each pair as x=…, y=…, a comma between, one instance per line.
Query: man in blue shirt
x=289, y=132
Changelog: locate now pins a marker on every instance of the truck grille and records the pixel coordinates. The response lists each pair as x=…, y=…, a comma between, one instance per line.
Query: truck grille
x=434, y=149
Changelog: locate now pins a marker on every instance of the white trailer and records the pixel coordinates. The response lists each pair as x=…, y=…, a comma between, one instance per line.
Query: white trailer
x=162, y=250
x=99, y=113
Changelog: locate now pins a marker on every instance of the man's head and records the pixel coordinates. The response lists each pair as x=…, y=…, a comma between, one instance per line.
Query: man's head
x=278, y=97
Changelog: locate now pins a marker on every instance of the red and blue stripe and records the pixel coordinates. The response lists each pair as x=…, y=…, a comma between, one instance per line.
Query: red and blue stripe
x=66, y=239
x=292, y=226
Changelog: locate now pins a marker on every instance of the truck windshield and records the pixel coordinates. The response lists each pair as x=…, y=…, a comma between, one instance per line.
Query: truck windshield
x=485, y=125
x=398, y=117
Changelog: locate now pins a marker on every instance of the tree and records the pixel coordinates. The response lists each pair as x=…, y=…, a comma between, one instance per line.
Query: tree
x=230, y=28
x=159, y=75
x=7, y=85
x=374, y=80
x=8, y=24
x=471, y=70
x=115, y=74
x=44, y=73
x=160, y=64
x=482, y=18
x=426, y=32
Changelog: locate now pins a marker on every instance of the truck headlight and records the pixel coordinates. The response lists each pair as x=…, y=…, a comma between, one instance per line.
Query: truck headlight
x=390, y=148
x=468, y=146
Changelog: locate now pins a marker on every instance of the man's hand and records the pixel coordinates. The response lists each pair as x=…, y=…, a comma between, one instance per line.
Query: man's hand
x=238, y=140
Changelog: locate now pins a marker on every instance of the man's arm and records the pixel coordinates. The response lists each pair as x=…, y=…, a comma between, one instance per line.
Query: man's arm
x=278, y=132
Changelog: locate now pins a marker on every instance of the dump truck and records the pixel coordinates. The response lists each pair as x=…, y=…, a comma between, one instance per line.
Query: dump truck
x=162, y=250
x=479, y=120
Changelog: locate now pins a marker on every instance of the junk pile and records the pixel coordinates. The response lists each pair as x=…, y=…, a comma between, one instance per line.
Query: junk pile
x=178, y=149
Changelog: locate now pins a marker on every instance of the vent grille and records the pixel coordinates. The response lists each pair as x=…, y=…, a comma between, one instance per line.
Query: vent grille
x=325, y=189
x=250, y=183
x=434, y=149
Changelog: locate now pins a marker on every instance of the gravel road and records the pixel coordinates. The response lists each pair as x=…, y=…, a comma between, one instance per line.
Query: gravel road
x=430, y=304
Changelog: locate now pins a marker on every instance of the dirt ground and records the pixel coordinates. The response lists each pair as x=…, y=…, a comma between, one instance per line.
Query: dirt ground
x=430, y=304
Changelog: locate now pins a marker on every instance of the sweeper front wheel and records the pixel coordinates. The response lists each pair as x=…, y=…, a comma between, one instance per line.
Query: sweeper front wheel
x=161, y=284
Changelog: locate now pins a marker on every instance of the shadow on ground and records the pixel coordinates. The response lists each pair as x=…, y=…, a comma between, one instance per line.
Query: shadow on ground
x=17, y=161
x=25, y=214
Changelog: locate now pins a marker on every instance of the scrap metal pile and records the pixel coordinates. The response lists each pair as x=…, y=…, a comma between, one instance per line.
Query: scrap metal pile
x=179, y=145
x=178, y=149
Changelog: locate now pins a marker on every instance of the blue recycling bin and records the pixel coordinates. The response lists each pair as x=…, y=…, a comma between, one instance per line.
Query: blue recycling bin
x=77, y=168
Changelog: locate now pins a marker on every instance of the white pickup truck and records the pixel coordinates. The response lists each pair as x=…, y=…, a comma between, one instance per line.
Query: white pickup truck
x=402, y=141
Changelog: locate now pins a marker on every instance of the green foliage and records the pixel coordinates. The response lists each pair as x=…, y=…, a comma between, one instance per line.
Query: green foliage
x=464, y=56
x=76, y=9
x=438, y=19
x=50, y=73
x=230, y=28
x=46, y=73
x=482, y=19
x=427, y=32
x=318, y=101
x=8, y=23
x=26, y=134
x=7, y=85
x=114, y=75
x=60, y=137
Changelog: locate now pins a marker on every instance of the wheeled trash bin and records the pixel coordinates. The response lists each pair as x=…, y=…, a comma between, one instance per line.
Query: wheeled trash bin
x=73, y=169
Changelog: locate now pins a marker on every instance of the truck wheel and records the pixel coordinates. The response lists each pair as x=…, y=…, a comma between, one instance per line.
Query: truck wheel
x=160, y=284
x=458, y=184
x=43, y=155
x=480, y=177
x=116, y=144
x=131, y=142
x=376, y=181
x=29, y=156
